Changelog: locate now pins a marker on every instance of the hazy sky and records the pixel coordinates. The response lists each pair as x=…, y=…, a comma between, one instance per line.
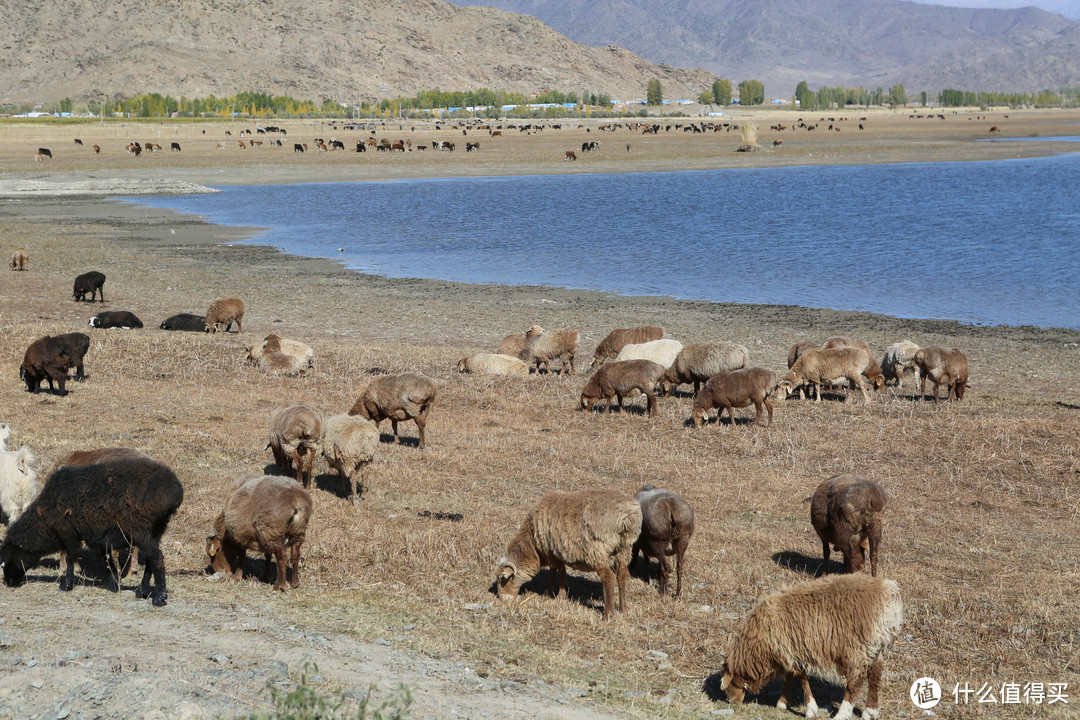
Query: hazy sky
x=1068, y=8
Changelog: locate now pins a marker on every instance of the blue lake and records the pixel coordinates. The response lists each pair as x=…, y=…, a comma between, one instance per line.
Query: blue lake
x=993, y=243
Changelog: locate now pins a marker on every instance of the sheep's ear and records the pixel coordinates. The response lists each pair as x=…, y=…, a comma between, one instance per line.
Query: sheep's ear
x=506, y=571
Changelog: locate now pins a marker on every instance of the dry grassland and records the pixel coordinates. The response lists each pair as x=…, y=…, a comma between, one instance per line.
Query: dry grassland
x=980, y=532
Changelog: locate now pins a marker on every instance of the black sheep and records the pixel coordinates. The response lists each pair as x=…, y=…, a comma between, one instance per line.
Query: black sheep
x=115, y=504
x=185, y=321
x=80, y=343
x=115, y=319
x=47, y=358
x=90, y=282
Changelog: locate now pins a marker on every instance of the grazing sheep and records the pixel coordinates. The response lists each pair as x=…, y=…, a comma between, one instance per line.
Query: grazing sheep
x=836, y=625
x=19, y=259
x=115, y=319
x=698, y=362
x=944, y=366
x=898, y=361
x=514, y=343
x=667, y=523
x=407, y=396
x=47, y=358
x=846, y=512
x=798, y=349
x=79, y=344
x=266, y=514
x=492, y=364
x=18, y=480
x=185, y=321
x=91, y=283
x=735, y=389
x=294, y=439
x=873, y=370
x=590, y=530
x=619, y=338
x=105, y=505
x=620, y=379
x=559, y=344
x=662, y=351
x=818, y=368
x=348, y=444
x=225, y=311
x=278, y=355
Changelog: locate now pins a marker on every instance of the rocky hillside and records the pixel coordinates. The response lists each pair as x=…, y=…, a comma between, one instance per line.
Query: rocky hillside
x=873, y=43
x=348, y=50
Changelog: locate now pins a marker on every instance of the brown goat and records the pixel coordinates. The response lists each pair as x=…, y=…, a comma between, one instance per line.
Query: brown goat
x=667, y=523
x=872, y=372
x=735, y=389
x=225, y=311
x=407, y=396
x=845, y=511
x=621, y=378
x=610, y=346
x=818, y=368
x=294, y=439
x=944, y=366
x=19, y=259
x=267, y=514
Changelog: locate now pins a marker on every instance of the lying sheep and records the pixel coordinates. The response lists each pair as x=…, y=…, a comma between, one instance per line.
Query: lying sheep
x=348, y=443
x=279, y=355
x=589, y=530
x=898, y=361
x=621, y=378
x=818, y=368
x=266, y=514
x=514, y=343
x=667, y=523
x=225, y=311
x=19, y=259
x=619, y=338
x=559, y=344
x=735, y=389
x=837, y=625
x=873, y=370
x=698, y=362
x=47, y=358
x=78, y=345
x=185, y=321
x=846, y=512
x=407, y=396
x=944, y=366
x=294, y=439
x=663, y=351
x=92, y=283
x=18, y=480
x=492, y=364
x=106, y=505
x=115, y=319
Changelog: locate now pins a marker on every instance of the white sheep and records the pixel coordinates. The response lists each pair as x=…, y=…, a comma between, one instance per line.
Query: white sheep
x=18, y=480
x=559, y=344
x=698, y=362
x=492, y=364
x=662, y=351
x=279, y=355
x=898, y=361
x=348, y=443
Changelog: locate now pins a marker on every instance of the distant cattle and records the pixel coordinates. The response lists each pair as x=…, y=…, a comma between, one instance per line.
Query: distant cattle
x=995, y=129
x=241, y=144
x=360, y=146
x=570, y=155
x=297, y=147
x=97, y=149
x=472, y=147
x=589, y=146
x=78, y=141
x=175, y=147
x=337, y=145
x=44, y=153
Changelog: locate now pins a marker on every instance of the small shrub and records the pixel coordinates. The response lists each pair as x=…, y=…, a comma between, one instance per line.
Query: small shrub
x=306, y=703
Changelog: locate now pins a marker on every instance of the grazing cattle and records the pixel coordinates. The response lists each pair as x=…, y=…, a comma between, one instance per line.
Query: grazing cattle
x=570, y=155
x=78, y=141
x=256, y=143
x=995, y=129
x=175, y=147
x=587, y=146
x=44, y=152
x=241, y=144
x=97, y=149
x=360, y=147
x=399, y=145
x=221, y=146
x=472, y=147
x=297, y=148
x=777, y=143
x=496, y=133
x=447, y=145
x=337, y=145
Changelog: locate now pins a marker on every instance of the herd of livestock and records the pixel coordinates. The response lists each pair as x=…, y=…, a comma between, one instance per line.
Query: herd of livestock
x=119, y=500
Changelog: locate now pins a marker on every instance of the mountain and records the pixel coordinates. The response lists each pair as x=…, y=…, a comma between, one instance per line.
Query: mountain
x=872, y=43
x=347, y=50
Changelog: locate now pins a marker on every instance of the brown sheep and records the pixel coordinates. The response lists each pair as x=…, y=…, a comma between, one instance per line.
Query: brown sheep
x=47, y=358
x=294, y=439
x=589, y=530
x=407, y=396
x=698, y=362
x=944, y=366
x=872, y=372
x=514, y=343
x=845, y=511
x=610, y=346
x=818, y=368
x=735, y=389
x=836, y=625
x=667, y=523
x=349, y=443
x=267, y=514
x=621, y=378
x=225, y=312
x=794, y=353
x=559, y=344
x=19, y=259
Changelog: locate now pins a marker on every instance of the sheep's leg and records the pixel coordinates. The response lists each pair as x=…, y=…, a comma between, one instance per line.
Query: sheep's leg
x=557, y=580
x=622, y=574
x=680, y=551
x=855, y=681
x=618, y=399
x=299, y=464
x=421, y=423
x=67, y=580
x=607, y=578
x=757, y=412
x=279, y=557
x=768, y=406
x=294, y=553
x=826, y=550
x=393, y=425
x=651, y=404
x=808, y=697
x=346, y=488
x=873, y=687
x=154, y=563
x=785, y=695
x=268, y=567
x=665, y=570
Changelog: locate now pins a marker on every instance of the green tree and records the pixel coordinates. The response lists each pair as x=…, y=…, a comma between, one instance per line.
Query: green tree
x=705, y=98
x=805, y=98
x=654, y=94
x=65, y=105
x=751, y=92
x=922, y=98
x=897, y=95
x=721, y=91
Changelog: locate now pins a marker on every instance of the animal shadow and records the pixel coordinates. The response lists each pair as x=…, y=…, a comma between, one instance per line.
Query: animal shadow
x=581, y=590
x=805, y=564
x=824, y=693
x=403, y=440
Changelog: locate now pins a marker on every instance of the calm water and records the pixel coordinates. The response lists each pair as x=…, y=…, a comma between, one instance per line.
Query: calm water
x=980, y=242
